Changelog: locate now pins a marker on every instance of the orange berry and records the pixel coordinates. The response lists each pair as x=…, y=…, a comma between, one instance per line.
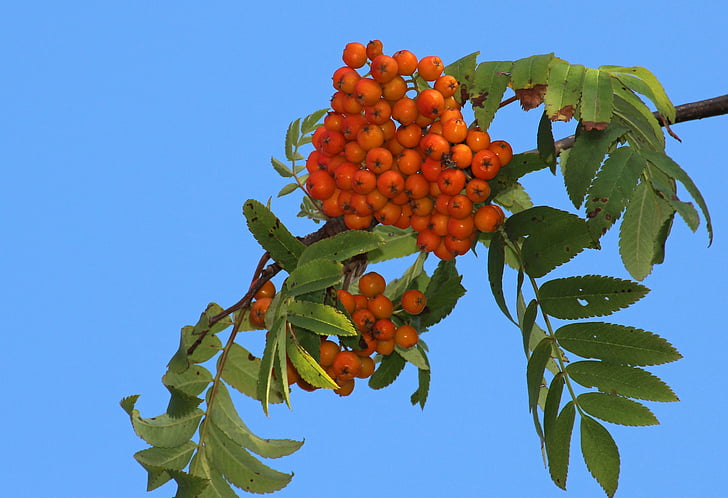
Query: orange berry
x=372, y=284
x=430, y=103
x=320, y=185
x=328, y=350
x=503, y=150
x=346, y=300
x=489, y=218
x=447, y=85
x=414, y=301
x=385, y=347
x=384, y=68
x=268, y=289
x=477, y=140
x=355, y=55
x=477, y=190
x=367, y=367
x=258, y=310
x=406, y=62
x=380, y=306
x=346, y=365
x=374, y=48
x=485, y=165
x=345, y=388
x=430, y=67
x=406, y=336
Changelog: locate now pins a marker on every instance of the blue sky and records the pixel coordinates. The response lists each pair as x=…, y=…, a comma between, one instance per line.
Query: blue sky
x=133, y=132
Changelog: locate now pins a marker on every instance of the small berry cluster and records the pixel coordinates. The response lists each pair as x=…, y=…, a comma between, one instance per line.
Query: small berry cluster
x=371, y=312
x=406, y=161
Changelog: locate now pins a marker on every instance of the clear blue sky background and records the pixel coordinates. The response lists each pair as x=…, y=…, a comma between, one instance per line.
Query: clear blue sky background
x=132, y=133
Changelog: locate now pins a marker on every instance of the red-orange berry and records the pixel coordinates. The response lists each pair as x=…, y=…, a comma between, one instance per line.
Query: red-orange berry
x=406, y=336
x=355, y=55
x=430, y=68
x=372, y=284
x=414, y=301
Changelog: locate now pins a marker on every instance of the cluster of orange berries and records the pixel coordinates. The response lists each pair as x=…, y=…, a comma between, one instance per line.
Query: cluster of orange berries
x=404, y=161
x=371, y=312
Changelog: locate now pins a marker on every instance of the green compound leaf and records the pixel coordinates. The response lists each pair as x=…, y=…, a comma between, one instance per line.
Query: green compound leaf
x=414, y=355
x=272, y=235
x=553, y=237
x=527, y=322
x=423, y=388
x=241, y=468
x=163, y=431
x=564, y=90
x=641, y=80
x=157, y=460
x=188, y=485
x=558, y=444
x=616, y=409
x=307, y=366
x=342, y=246
x=287, y=189
x=514, y=198
x=276, y=338
x=596, y=99
x=612, y=188
x=630, y=112
x=639, y=233
x=281, y=168
x=535, y=369
x=292, y=135
x=180, y=403
x=311, y=122
x=489, y=84
x=624, y=380
x=217, y=487
x=496, y=262
x=388, y=371
x=531, y=71
x=207, y=348
x=443, y=291
x=600, y=454
x=591, y=295
x=553, y=401
x=580, y=165
x=672, y=169
x=192, y=381
x=397, y=243
x=224, y=416
x=320, y=318
x=545, y=142
x=312, y=276
x=616, y=343
x=241, y=371
x=668, y=192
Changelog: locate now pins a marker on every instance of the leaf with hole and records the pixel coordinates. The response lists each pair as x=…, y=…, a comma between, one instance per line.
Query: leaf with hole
x=590, y=295
x=616, y=343
x=272, y=235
